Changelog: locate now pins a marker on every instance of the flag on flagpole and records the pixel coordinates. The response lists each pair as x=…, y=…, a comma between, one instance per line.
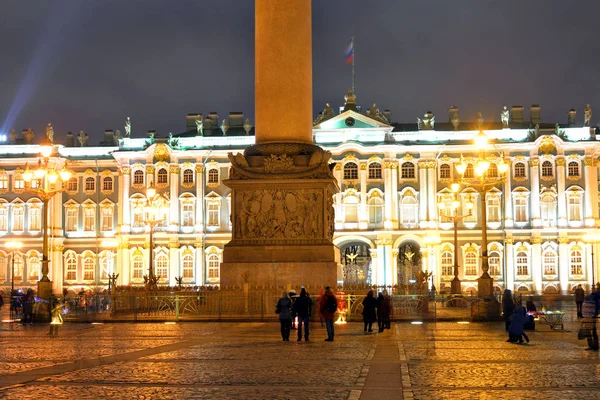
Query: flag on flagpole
x=350, y=53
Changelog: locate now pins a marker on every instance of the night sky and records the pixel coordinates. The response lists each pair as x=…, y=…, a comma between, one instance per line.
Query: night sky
x=87, y=65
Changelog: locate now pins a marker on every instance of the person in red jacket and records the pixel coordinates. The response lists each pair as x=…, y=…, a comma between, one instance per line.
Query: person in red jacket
x=328, y=307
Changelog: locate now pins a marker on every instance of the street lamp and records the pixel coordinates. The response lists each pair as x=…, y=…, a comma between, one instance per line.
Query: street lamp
x=455, y=218
x=592, y=239
x=483, y=182
x=42, y=182
x=155, y=212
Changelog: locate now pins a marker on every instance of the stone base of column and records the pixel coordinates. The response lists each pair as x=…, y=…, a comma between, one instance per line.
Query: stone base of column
x=278, y=274
x=485, y=287
x=44, y=289
x=487, y=309
x=455, y=286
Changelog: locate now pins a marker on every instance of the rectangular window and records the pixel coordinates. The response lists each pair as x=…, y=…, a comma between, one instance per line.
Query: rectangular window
x=72, y=185
x=574, y=208
x=89, y=219
x=71, y=220
x=107, y=184
x=447, y=264
x=90, y=184
x=19, y=183
x=187, y=215
x=213, y=214
x=3, y=268
x=35, y=222
x=549, y=263
x=494, y=264
x=162, y=268
x=3, y=219
x=107, y=219
x=71, y=274
x=522, y=264
x=138, y=267
x=18, y=219
x=4, y=182
x=493, y=211
x=520, y=210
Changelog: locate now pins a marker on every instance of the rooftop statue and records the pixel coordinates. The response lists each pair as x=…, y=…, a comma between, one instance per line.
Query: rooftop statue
x=83, y=138
x=50, y=132
x=454, y=118
x=479, y=120
x=588, y=115
x=427, y=122
x=117, y=136
x=199, y=127
x=505, y=116
x=128, y=127
x=247, y=126
x=225, y=126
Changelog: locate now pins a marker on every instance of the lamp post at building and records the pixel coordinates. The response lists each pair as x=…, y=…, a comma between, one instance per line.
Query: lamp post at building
x=155, y=213
x=455, y=218
x=43, y=182
x=13, y=246
x=483, y=182
x=592, y=239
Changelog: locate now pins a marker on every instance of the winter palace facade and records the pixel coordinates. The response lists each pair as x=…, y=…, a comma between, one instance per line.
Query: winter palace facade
x=391, y=216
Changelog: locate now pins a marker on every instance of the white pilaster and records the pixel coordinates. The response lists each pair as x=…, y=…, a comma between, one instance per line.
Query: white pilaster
x=510, y=265
x=363, y=219
x=534, y=174
x=124, y=205
x=394, y=182
x=174, y=270
x=563, y=264
x=508, y=214
x=591, y=186
x=338, y=174
x=588, y=263
x=388, y=195
x=423, y=194
x=536, y=264
x=174, y=199
x=199, y=199
x=394, y=266
x=431, y=192
x=375, y=266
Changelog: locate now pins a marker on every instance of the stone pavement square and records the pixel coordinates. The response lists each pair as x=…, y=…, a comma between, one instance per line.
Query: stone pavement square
x=203, y=360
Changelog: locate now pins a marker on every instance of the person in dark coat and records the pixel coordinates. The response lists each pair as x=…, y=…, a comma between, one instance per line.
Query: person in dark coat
x=28, y=302
x=579, y=297
x=284, y=309
x=382, y=311
x=327, y=313
x=508, y=307
x=515, y=331
x=530, y=306
x=589, y=320
x=369, y=311
x=301, y=308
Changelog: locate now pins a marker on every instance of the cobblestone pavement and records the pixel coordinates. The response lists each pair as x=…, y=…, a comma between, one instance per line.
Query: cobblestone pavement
x=443, y=360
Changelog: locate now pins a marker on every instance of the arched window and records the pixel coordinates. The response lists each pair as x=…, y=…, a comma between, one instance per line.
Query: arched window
x=576, y=263
x=107, y=184
x=162, y=267
x=409, y=208
x=447, y=264
x=522, y=264
x=549, y=262
x=548, y=209
x=18, y=266
x=471, y=263
x=519, y=170
x=573, y=168
x=494, y=263
x=408, y=170
x=547, y=169
x=138, y=266
x=188, y=176
x=90, y=184
x=106, y=264
x=138, y=177
x=188, y=266
x=72, y=184
x=375, y=210
x=213, y=175
x=445, y=171
x=351, y=171
x=33, y=267
x=71, y=268
x=88, y=269
x=375, y=170
x=492, y=170
x=469, y=171
x=351, y=208
x=213, y=266
x=162, y=177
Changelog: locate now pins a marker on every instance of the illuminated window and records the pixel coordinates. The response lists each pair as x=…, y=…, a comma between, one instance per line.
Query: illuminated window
x=35, y=219
x=573, y=169
x=574, y=207
x=213, y=175
x=18, y=267
x=447, y=264
x=18, y=218
x=106, y=265
x=138, y=177
x=19, y=182
x=409, y=208
x=521, y=209
x=88, y=269
x=351, y=171
x=213, y=211
x=33, y=267
x=107, y=184
x=162, y=267
x=187, y=215
x=407, y=170
x=72, y=185
x=445, y=171
x=375, y=210
x=3, y=267
x=188, y=176
x=188, y=266
x=522, y=264
x=492, y=170
x=71, y=220
x=494, y=263
x=90, y=184
x=471, y=263
x=375, y=170
x=550, y=261
x=3, y=182
x=547, y=169
x=519, y=170
x=89, y=219
x=469, y=171
x=548, y=209
x=162, y=177
x=213, y=266
x=493, y=211
x=576, y=263
x=71, y=268
x=351, y=209
x=3, y=219
x=107, y=219
x=138, y=267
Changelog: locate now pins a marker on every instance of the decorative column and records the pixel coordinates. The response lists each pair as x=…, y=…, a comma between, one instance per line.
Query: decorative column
x=431, y=194
x=124, y=207
x=395, y=252
x=384, y=250
x=199, y=228
x=388, y=193
x=56, y=274
x=199, y=273
x=174, y=199
x=563, y=264
x=174, y=270
x=590, y=175
x=536, y=264
x=375, y=265
x=534, y=174
x=560, y=186
x=508, y=213
x=510, y=265
x=122, y=266
x=338, y=174
x=363, y=216
x=423, y=194
x=590, y=252
x=394, y=178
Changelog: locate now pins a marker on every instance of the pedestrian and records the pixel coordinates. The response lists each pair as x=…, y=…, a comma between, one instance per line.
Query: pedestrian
x=530, y=306
x=508, y=307
x=589, y=322
x=596, y=293
x=321, y=294
x=293, y=298
x=515, y=331
x=302, y=307
x=1, y=300
x=389, y=308
x=284, y=309
x=328, y=307
x=28, y=301
x=369, y=311
x=381, y=311
x=579, y=297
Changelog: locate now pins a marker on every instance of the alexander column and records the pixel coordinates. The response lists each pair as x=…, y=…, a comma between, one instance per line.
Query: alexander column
x=282, y=187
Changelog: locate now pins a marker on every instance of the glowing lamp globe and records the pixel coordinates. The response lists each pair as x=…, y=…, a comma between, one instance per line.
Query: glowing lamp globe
x=46, y=150
x=481, y=140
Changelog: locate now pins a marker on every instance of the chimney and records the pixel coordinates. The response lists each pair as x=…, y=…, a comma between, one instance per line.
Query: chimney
x=535, y=114
x=190, y=121
x=388, y=115
x=70, y=142
x=516, y=114
x=572, y=117
x=236, y=119
x=109, y=138
x=208, y=123
x=215, y=117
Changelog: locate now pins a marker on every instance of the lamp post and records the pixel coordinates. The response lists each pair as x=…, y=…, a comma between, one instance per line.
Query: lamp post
x=483, y=182
x=592, y=239
x=13, y=246
x=430, y=241
x=42, y=182
x=155, y=211
x=455, y=218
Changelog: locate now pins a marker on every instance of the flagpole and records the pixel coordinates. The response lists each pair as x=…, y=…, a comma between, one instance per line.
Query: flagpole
x=353, y=58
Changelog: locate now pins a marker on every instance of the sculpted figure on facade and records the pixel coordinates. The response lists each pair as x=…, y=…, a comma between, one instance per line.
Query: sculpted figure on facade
x=505, y=117
x=588, y=115
x=454, y=118
x=50, y=132
x=83, y=138
x=128, y=127
x=117, y=136
x=479, y=120
x=199, y=127
x=29, y=135
x=427, y=122
x=247, y=126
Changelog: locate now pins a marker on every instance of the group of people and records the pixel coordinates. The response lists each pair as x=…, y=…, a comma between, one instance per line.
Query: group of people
x=376, y=310
x=289, y=307
x=588, y=308
x=515, y=317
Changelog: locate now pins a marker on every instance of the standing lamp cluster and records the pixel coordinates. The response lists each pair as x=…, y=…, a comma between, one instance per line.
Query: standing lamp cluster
x=155, y=212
